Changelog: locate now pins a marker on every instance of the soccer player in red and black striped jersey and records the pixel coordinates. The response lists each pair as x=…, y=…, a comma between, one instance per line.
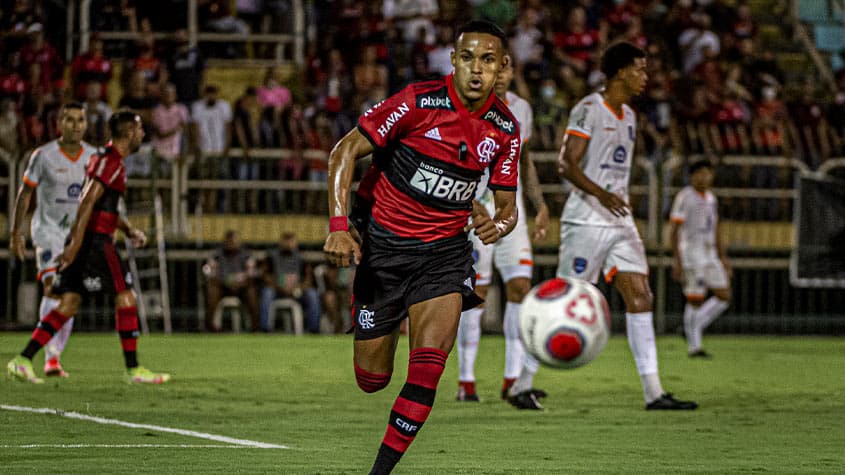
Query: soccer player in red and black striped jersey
x=90, y=263
x=432, y=142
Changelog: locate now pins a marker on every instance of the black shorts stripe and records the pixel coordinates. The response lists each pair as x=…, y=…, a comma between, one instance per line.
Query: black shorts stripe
x=418, y=394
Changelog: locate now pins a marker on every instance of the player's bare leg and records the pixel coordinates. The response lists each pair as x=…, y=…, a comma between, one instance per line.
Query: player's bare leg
x=373, y=361
x=433, y=326
x=637, y=295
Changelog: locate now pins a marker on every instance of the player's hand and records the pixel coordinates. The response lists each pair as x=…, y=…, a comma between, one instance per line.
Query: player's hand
x=340, y=246
x=541, y=224
x=17, y=244
x=677, y=272
x=614, y=203
x=68, y=255
x=138, y=238
x=484, y=226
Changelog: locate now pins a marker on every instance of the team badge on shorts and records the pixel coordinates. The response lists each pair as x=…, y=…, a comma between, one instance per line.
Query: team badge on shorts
x=365, y=319
x=92, y=284
x=579, y=265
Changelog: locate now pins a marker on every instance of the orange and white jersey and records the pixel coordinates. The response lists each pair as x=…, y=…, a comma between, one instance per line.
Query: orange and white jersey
x=697, y=215
x=57, y=179
x=607, y=160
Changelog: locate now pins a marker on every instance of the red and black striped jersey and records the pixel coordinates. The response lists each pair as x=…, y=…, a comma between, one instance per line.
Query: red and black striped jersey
x=432, y=153
x=108, y=169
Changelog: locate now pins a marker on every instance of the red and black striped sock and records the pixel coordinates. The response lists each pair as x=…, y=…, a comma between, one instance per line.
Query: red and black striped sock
x=43, y=332
x=412, y=407
x=127, y=327
x=371, y=382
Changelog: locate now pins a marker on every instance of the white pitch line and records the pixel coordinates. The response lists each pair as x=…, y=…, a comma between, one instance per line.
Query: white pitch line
x=102, y=420
x=122, y=446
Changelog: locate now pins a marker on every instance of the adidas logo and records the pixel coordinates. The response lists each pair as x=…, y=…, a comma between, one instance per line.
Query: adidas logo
x=433, y=134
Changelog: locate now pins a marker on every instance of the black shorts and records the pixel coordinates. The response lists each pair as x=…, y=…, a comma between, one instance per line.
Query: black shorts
x=97, y=269
x=391, y=278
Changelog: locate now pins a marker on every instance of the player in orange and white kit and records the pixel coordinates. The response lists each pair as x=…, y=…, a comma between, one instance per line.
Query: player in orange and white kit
x=700, y=262
x=511, y=255
x=54, y=174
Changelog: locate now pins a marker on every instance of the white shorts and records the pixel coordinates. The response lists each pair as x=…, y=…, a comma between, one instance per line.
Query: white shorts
x=698, y=279
x=511, y=254
x=47, y=260
x=587, y=250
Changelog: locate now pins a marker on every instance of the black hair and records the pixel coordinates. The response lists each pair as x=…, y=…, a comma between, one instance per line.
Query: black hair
x=483, y=26
x=210, y=89
x=71, y=105
x=119, y=120
x=618, y=57
x=699, y=164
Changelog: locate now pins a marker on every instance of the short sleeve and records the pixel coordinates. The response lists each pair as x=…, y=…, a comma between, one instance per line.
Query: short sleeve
x=32, y=174
x=195, y=111
x=528, y=126
x=106, y=171
x=388, y=120
x=679, y=211
x=227, y=111
x=504, y=173
x=581, y=120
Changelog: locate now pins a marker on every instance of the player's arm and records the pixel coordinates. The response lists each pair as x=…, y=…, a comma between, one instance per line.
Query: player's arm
x=138, y=238
x=569, y=166
x=675, y=236
x=92, y=191
x=340, y=245
x=17, y=243
x=723, y=251
x=535, y=194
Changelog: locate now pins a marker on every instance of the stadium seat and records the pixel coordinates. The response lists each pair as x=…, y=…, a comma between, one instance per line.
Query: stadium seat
x=830, y=38
x=234, y=305
x=813, y=11
x=294, y=322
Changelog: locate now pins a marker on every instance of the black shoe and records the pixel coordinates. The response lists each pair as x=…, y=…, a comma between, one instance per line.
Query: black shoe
x=700, y=354
x=538, y=393
x=667, y=402
x=464, y=397
x=525, y=400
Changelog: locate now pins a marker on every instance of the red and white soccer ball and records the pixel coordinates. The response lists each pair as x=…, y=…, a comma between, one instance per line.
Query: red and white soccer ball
x=564, y=322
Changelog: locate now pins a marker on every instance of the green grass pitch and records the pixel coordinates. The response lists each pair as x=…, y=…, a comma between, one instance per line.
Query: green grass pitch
x=768, y=405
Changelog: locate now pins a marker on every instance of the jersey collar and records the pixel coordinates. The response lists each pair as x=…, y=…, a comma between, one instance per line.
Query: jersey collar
x=459, y=106
x=69, y=157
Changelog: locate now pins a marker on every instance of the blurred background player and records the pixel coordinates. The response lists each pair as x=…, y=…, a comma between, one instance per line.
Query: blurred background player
x=55, y=173
x=436, y=139
x=511, y=254
x=89, y=263
x=700, y=261
x=598, y=233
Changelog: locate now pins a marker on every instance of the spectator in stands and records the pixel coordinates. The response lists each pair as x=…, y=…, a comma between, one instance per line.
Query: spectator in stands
x=217, y=16
x=335, y=286
x=91, y=67
x=744, y=26
x=288, y=276
x=211, y=119
x=550, y=112
x=231, y=272
x=186, y=69
x=246, y=136
x=138, y=99
x=439, y=57
x=11, y=132
x=578, y=44
x=695, y=42
x=98, y=113
x=807, y=114
x=148, y=66
x=500, y=12
x=170, y=119
x=525, y=43
x=409, y=16
x=274, y=99
x=12, y=85
x=370, y=80
x=770, y=123
x=39, y=52
x=114, y=15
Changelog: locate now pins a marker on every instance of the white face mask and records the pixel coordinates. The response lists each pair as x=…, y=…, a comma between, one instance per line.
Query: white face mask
x=547, y=92
x=769, y=93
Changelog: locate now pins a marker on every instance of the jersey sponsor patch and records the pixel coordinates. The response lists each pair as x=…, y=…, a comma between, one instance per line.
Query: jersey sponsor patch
x=619, y=154
x=431, y=181
x=501, y=121
x=391, y=119
x=579, y=265
x=438, y=99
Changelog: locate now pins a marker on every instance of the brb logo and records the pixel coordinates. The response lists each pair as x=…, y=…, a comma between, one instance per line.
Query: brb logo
x=365, y=319
x=74, y=190
x=431, y=181
x=486, y=150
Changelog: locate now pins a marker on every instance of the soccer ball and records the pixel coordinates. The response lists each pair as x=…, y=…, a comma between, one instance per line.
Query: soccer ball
x=564, y=322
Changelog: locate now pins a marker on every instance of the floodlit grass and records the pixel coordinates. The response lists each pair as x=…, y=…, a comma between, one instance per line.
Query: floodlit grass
x=767, y=405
